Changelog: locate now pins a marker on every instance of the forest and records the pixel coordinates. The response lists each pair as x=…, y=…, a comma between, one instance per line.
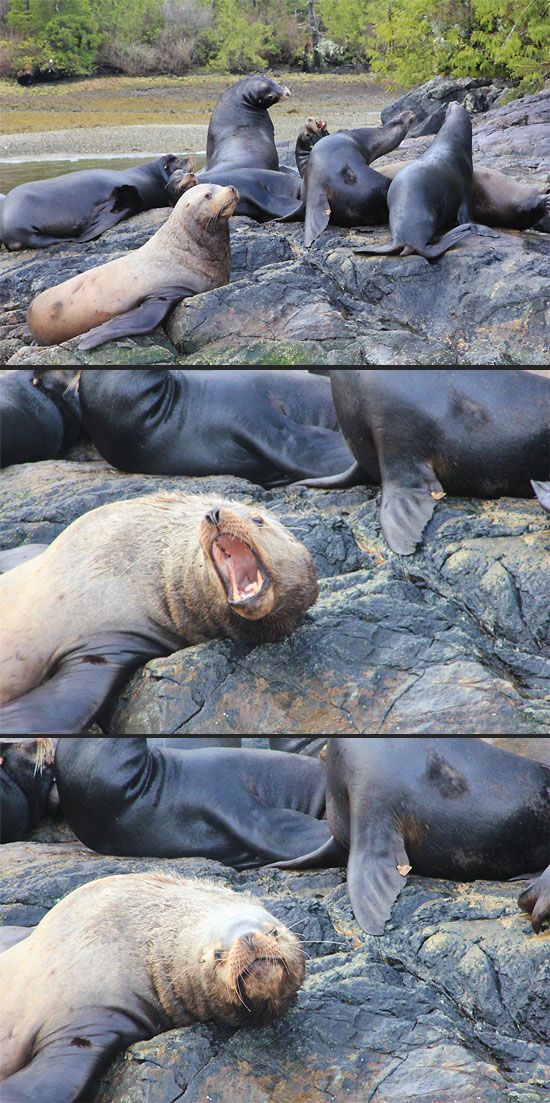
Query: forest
x=404, y=42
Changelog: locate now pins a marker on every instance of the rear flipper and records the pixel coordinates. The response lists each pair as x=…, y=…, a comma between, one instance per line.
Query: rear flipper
x=12, y=557
x=10, y=936
x=68, y=1061
x=325, y=857
x=142, y=319
x=542, y=491
x=536, y=900
x=79, y=686
x=353, y=476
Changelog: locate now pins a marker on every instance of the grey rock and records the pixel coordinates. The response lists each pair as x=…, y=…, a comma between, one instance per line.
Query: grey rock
x=430, y=100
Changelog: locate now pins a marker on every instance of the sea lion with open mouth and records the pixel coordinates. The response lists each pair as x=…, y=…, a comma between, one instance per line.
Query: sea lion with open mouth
x=134, y=580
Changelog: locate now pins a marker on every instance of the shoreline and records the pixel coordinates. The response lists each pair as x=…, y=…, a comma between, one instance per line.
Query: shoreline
x=108, y=142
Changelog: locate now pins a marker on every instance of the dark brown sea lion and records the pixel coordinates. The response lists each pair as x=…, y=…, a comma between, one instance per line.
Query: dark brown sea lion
x=79, y=206
x=189, y=254
x=497, y=199
x=432, y=193
x=240, y=132
x=242, y=807
x=338, y=183
x=26, y=779
x=454, y=808
x=267, y=426
x=469, y=432
x=125, y=958
x=133, y=580
x=39, y=414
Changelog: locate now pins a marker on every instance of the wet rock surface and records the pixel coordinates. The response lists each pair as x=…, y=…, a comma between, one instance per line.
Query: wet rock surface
x=455, y=638
x=451, y=1003
x=483, y=302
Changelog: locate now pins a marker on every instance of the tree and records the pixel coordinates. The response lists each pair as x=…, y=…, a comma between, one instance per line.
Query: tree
x=61, y=35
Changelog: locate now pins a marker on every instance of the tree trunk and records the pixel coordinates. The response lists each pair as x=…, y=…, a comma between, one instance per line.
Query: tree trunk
x=314, y=34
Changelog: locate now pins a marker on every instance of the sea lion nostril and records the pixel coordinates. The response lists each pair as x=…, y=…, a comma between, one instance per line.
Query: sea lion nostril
x=213, y=516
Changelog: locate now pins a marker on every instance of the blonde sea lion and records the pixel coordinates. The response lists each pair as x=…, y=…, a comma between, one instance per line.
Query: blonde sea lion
x=133, y=580
x=189, y=254
x=127, y=957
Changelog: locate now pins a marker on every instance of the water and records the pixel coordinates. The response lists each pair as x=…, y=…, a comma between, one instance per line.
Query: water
x=19, y=172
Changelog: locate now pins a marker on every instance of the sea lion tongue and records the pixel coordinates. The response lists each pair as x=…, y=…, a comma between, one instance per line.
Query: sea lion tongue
x=237, y=567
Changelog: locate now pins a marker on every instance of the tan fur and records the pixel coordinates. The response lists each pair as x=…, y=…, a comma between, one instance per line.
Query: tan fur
x=155, y=937
x=142, y=565
x=192, y=247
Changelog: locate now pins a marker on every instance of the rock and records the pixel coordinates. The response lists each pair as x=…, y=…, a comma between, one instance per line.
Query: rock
x=483, y=302
x=429, y=102
x=450, y=1003
x=455, y=638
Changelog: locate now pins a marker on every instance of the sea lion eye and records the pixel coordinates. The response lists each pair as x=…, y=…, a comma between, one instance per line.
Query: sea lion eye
x=218, y=954
x=273, y=933
x=258, y=520
x=208, y=195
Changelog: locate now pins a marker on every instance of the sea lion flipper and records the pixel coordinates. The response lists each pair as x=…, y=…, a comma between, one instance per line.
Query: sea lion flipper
x=327, y=855
x=71, y=1058
x=317, y=215
x=123, y=201
x=142, y=319
x=353, y=476
x=85, y=676
x=374, y=880
x=542, y=491
x=404, y=514
x=536, y=900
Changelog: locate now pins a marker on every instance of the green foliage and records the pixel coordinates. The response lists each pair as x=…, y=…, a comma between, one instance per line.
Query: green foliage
x=412, y=40
x=345, y=21
x=62, y=35
x=239, y=41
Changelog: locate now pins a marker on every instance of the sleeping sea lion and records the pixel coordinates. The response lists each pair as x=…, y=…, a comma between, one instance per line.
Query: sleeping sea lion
x=189, y=254
x=133, y=580
x=39, y=414
x=263, y=193
x=79, y=206
x=460, y=809
x=240, y=131
x=147, y=952
x=470, y=432
x=432, y=193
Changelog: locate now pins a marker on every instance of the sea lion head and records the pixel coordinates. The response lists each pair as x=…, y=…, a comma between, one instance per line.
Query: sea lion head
x=178, y=183
x=262, y=570
x=264, y=92
x=251, y=966
x=206, y=203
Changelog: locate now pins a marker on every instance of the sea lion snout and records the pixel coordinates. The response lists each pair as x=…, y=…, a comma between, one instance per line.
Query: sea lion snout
x=213, y=516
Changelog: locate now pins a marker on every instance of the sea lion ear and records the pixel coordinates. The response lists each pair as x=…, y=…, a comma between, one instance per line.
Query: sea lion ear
x=374, y=880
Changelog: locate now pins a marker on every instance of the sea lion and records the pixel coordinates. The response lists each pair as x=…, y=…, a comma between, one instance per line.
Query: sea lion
x=454, y=808
x=39, y=414
x=267, y=426
x=311, y=133
x=542, y=491
x=263, y=193
x=190, y=253
x=79, y=206
x=147, y=952
x=133, y=796
x=240, y=131
x=26, y=779
x=433, y=192
x=497, y=199
x=133, y=580
x=422, y=434
x=338, y=184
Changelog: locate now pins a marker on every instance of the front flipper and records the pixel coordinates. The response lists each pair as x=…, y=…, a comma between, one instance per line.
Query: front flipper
x=123, y=201
x=80, y=684
x=407, y=505
x=536, y=900
x=142, y=319
x=10, y=936
x=13, y=557
x=317, y=215
x=68, y=1060
x=542, y=491
x=374, y=880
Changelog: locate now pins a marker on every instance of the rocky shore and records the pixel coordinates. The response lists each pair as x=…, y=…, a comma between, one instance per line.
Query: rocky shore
x=483, y=302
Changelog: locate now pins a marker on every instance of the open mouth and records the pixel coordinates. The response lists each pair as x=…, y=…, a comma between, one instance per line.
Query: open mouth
x=244, y=578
